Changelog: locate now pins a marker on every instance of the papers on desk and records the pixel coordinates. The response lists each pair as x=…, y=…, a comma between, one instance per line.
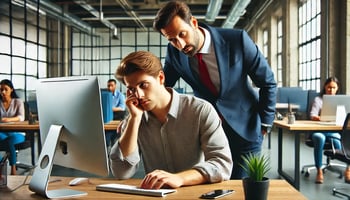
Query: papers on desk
x=122, y=188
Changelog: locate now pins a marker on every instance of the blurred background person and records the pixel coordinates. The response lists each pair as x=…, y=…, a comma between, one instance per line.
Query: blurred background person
x=118, y=97
x=12, y=110
x=330, y=87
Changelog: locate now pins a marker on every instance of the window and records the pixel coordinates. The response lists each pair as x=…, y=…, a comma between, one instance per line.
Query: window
x=266, y=43
x=100, y=54
x=279, y=74
x=309, y=44
x=23, y=44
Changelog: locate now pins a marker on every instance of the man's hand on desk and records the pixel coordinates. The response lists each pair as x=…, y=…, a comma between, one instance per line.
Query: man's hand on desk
x=159, y=179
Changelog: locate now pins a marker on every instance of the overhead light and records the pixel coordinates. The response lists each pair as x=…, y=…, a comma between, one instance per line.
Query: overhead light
x=213, y=10
x=101, y=16
x=237, y=10
x=115, y=34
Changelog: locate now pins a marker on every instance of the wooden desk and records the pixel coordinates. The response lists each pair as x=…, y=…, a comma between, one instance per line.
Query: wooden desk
x=300, y=126
x=279, y=189
x=25, y=126
x=19, y=127
x=112, y=125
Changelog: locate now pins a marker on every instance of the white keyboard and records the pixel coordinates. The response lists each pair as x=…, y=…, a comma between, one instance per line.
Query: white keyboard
x=122, y=188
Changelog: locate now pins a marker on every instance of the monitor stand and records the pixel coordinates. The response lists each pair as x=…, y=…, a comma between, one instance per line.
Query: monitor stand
x=42, y=170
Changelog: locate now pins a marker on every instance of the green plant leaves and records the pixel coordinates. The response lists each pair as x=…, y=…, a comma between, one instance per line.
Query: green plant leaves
x=256, y=166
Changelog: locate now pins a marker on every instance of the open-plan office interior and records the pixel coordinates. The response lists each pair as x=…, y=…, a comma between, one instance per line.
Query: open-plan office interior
x=304, y=41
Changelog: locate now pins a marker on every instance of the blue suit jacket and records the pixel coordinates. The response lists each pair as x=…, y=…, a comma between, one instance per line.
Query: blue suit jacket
x=238, y=58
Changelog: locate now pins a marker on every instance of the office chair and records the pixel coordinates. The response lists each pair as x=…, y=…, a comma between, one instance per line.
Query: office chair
x=343, y=154
x=328, y=146
x=334, y=167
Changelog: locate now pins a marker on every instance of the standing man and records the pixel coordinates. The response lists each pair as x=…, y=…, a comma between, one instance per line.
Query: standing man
x=218, y=63
x=178, y=136
x=118, y=97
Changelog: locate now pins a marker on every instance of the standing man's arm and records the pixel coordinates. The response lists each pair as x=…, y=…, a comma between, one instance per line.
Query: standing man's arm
x=261, y=74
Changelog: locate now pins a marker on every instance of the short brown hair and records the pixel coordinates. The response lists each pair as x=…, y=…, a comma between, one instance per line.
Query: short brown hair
x=169, y=11
x=139, y=61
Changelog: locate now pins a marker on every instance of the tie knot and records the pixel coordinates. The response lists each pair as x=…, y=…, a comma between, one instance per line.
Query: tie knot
x=199, y=56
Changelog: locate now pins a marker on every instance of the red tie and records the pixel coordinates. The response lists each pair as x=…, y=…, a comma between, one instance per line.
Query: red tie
x=204, y=75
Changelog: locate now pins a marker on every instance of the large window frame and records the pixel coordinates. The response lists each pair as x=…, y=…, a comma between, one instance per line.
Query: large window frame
x=23, y=49
x=279, y=74
x=309, y=44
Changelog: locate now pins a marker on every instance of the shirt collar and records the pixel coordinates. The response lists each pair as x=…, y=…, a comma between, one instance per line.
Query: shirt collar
x=174, y=105
x=175, y=101
x=207, y=41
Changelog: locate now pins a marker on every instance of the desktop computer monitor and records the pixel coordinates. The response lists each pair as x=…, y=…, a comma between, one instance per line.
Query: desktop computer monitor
x=71, y=126
x=329, y=106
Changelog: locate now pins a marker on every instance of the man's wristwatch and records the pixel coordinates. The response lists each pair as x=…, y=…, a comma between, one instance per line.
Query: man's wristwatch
x=266, y=128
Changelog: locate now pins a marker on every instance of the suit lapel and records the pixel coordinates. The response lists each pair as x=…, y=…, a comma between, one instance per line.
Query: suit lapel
x=221, y=52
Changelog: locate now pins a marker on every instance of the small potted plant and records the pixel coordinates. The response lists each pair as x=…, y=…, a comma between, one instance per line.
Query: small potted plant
x=256, y=185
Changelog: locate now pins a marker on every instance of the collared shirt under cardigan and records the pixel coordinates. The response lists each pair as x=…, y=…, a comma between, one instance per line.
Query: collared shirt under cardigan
x=192, y=137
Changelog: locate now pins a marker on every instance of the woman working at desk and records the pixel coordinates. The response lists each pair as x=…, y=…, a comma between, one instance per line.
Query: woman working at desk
x=12, y=110
x=330, y=87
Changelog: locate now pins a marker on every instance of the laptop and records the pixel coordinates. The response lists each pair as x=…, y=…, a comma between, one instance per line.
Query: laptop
x=329, y=109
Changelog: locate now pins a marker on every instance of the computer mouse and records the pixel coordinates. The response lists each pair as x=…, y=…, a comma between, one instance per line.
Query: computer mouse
x=78, y=181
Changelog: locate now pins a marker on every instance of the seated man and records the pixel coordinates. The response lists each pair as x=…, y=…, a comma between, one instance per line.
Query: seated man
x=118, y=99
x=180, y=137
x=118, y=109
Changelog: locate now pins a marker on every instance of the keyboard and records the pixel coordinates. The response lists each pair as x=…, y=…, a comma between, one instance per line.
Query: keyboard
x=129, y=189
x=331, y=123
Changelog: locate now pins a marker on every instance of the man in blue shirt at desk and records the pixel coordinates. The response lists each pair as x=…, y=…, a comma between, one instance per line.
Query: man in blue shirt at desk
x=118, y=97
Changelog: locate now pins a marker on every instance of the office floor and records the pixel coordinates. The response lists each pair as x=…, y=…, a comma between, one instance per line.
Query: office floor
x=309, y=189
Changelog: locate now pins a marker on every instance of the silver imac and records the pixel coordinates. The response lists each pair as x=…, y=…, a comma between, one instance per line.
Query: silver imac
x=329, y=106
x=71, y=126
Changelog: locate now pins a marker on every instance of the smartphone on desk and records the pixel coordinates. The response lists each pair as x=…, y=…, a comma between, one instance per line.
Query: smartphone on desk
x=216, y=194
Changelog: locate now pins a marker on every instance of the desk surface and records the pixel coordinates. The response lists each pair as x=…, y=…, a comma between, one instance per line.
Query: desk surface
x=25, y=126
x=305, y=125
x=279, y=189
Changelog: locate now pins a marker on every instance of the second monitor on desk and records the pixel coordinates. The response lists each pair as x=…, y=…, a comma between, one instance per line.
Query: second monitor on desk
x=330, y=104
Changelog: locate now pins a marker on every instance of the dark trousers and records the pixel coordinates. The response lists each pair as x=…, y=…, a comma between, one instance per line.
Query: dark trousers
x=239, y=147
x=111, y=137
